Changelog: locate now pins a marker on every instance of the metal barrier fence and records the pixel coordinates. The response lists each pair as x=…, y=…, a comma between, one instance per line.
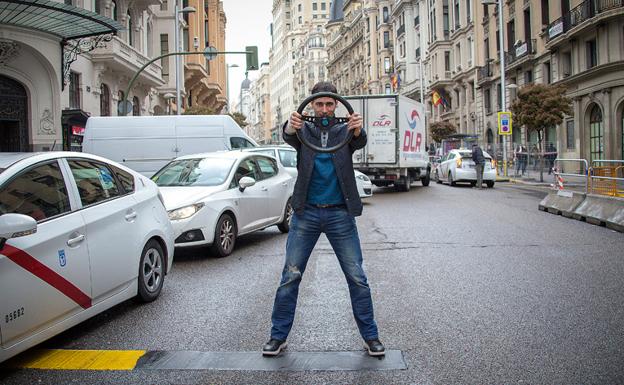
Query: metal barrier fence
x=606, y=177
x=562, y=169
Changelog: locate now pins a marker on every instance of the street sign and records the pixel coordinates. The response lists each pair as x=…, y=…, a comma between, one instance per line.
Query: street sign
x=210, y=53
x=504, y=123
x=124, y=109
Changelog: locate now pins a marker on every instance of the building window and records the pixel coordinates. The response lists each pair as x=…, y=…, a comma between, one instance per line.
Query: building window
x=592, y=56
x=528, y=77
x=129, y=26
x=74, y=90
x=468, y=11
x=288, y=15
x=105, y=100
x=487, y=101
x=185, y=39
x=486, y=49
x=96, y=6
x=299, y=7
x=445, y=19
x=300, y=19
x=596, y=134
x=566, y=64
x=164, y=62
x=447, y=61
x=164, y=5
x=570, y=143
x=314, y=6
x=136, y=107
x=114, y=10
x=385, y=14
x=386, y=39
x=545, y=16
x=456, y=15
x=547, y=76
x=323, y=7
x=387, y=65
x=499, y=99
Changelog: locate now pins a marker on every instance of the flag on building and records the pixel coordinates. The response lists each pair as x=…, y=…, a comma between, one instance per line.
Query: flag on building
x=436, y=99
x=396, y=81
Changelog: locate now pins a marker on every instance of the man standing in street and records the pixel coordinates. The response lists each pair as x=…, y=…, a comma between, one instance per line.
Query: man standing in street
x=325, y=200
x=479, y=160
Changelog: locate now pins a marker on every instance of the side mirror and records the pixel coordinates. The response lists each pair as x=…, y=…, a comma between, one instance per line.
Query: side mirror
x=16, y=225
x=245, y=182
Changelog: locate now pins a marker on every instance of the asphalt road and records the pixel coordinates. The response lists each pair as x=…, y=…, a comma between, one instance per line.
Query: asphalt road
x=473, y=286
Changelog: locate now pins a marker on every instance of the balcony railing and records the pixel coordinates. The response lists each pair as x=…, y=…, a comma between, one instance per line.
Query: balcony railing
x=524, y=49
x=484, y=72
x=401, y=30
x=584, y=11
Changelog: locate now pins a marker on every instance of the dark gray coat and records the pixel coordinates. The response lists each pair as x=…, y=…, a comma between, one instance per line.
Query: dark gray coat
x=341, y=159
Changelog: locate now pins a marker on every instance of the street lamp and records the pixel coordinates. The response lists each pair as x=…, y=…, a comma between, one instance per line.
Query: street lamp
x=502, y=69
x=177, y=13
x=227, y=84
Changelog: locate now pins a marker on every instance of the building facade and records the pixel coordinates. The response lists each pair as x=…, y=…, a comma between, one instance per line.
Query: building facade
x=205, y=79
x=260, y=111
x=360, y=47
x=47, y=92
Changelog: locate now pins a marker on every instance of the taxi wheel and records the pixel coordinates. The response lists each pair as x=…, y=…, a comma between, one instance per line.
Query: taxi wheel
x=426, y=179
x=489, y=183
x=151, y=272
x=225, y=237
x=450, y=180
x=284, y=226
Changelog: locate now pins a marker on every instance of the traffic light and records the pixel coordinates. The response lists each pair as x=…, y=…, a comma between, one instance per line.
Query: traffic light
x=252, y=58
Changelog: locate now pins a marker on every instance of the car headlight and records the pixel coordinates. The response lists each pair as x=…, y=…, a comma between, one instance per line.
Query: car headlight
x=363, y=177
x=184, y=212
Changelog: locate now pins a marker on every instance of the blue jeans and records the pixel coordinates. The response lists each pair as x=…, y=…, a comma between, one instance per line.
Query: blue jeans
x=341, y=231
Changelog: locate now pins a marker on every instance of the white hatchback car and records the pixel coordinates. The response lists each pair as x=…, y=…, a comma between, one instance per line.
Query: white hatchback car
x=287, y=156
x=458, y=166
x=78, y=235
x=213, y=198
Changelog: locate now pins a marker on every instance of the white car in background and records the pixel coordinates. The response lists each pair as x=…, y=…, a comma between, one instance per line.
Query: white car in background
x=78, y=235
x=287, y=156
x=458, y=166
x=214, y=198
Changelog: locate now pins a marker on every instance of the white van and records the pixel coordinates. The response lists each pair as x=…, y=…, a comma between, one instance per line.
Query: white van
x=146, y=143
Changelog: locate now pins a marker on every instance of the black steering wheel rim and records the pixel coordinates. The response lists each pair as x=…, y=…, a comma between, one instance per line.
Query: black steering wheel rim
x=338, y=98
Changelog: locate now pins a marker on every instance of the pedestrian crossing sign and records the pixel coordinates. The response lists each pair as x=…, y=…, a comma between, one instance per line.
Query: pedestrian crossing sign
x=504, y=123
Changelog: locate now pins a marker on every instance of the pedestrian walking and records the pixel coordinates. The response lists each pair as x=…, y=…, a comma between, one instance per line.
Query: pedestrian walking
x=325, y=200
x=479, y=160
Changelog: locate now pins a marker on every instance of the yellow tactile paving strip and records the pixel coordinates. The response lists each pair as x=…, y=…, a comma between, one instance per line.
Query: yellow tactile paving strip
x=77, y=360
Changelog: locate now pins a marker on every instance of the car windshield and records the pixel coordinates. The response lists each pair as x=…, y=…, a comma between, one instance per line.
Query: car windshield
x=194, y=172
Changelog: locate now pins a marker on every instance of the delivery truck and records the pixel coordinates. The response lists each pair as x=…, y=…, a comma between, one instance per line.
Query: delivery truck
x=395, y=154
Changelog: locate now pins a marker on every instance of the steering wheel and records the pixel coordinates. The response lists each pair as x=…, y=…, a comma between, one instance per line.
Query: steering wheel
x=324, y=124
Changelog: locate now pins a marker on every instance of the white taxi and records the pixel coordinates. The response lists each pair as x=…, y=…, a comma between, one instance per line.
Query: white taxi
x=78, y=235
x=458, y=166
x=213, y=198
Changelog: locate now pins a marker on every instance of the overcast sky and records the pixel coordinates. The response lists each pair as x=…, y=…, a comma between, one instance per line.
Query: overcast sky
x=248, y=23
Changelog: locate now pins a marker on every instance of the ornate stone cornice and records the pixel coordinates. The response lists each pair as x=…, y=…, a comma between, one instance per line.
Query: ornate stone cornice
x=9, y=50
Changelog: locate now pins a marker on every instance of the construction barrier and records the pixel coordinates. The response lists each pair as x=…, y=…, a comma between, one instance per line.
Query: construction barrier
x=600, y=202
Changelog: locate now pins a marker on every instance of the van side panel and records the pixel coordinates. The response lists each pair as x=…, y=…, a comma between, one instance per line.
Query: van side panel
x=142, y=146
x=198, y=137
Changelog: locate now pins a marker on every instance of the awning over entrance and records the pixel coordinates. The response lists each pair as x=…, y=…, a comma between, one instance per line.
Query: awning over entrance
x=62, y=20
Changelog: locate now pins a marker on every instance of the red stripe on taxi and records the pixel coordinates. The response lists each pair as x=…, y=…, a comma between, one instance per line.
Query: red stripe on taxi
x=46, y=274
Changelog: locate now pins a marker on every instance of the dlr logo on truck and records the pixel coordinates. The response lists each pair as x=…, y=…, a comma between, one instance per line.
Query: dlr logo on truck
x=412, y=141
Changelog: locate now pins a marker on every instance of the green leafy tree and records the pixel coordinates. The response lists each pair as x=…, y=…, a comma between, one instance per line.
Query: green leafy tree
x=239, y=118
x=440, y=130
x=539, y=107
x=199, y=110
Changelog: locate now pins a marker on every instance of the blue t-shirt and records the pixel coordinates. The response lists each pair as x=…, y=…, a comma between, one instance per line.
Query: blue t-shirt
x=324, y=188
